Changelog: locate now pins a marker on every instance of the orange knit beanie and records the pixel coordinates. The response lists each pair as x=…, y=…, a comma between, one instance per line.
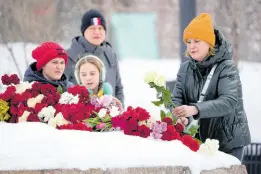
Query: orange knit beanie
x=200, y=27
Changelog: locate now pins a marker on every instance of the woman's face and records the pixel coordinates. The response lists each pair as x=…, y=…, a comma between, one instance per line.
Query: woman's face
x=89, y=76
x=54, y=69
x=197, y=49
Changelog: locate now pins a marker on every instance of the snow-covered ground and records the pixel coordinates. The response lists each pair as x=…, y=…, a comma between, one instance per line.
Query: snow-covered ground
x=39, y=146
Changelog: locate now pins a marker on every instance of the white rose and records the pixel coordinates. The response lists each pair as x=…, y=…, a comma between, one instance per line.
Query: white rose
x=24, y=117
x=210, y=147
x=159, y=80
x=114, y=111
x=149, y=77
x=102, y=113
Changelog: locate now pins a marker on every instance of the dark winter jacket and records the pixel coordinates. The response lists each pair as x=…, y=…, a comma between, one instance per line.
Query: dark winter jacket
x=31, y=74
x=221, y=114
x=81, y=46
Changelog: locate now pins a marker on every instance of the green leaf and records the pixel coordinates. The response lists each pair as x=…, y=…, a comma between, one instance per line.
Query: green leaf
x=162, y=115
x=60, y=89
x=157, y=103
x=107, y=118
x=199, y=142
x=193, y=130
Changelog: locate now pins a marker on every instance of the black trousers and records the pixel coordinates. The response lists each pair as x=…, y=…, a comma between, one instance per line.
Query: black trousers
x=237, y=152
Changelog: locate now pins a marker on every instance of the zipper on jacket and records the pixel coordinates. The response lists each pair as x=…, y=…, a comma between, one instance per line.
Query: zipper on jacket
x=201, y=87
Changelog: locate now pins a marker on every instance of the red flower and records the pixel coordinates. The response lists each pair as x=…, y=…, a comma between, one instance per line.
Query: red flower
x=36, y=86
x=33, y=118
x=16, y=99
x=168, y=120
x=144, y=131
x=170, y=134
x=131, y=127
x=48, y=89
x=77, y=126
x=39, y=106
x=118, y=121
x=138, y=113
x=8, y=94
x=179, y=127
x=190, y=142
x=14, y=79
x=5, y=79
x=83, y=93
x=13, y=110
x=48, y=99
x=76, y=112
x=20, y=110
x=26, y=95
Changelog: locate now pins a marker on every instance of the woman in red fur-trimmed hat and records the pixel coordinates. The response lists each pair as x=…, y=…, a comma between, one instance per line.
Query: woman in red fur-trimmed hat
x=49, y=67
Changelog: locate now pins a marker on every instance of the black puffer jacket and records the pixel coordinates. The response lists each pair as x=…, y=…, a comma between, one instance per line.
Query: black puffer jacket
x=31, y=74
x=221, y=114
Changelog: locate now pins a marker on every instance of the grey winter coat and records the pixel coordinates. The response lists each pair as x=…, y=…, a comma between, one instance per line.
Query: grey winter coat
x=221, y=114
x=31, y=74
x=80, y=46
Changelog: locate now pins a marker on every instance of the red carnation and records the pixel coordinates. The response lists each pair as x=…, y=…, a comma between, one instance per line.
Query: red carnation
x=179, y=127
x=48, y=89
x=167, y=120
x=82, y=91
x=190, y=142
x=8, y=94
x=36, y=86
x=16, y=99
x=170, y=134
x=5, y=79
x=33, y=118
x=144, y=131
x=77, y=126
x=118, y=121
x=131, y=127
x=14, y=79
x=39, y=106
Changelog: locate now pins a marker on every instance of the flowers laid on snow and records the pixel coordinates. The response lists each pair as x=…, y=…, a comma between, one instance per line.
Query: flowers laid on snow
x=36, y=102
x=77, y=109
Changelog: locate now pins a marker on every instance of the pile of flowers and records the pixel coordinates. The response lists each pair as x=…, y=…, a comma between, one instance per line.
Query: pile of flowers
x=73, y=109
x=77, y=109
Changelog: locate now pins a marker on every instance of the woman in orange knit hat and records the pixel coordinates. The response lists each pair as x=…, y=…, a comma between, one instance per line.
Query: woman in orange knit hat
x=49, y=66
x=208, y=90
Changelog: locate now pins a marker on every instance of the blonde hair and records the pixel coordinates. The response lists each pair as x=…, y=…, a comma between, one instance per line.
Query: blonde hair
x=87, y=58
x=211, y=52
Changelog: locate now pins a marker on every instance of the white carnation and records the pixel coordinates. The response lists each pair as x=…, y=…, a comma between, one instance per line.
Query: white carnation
x=20, y=88
x=46, y=113
x=31, y=102
x=114, y=111
x=102, y=113
x=58, y=120
x=24, y=117
x=68, y=98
